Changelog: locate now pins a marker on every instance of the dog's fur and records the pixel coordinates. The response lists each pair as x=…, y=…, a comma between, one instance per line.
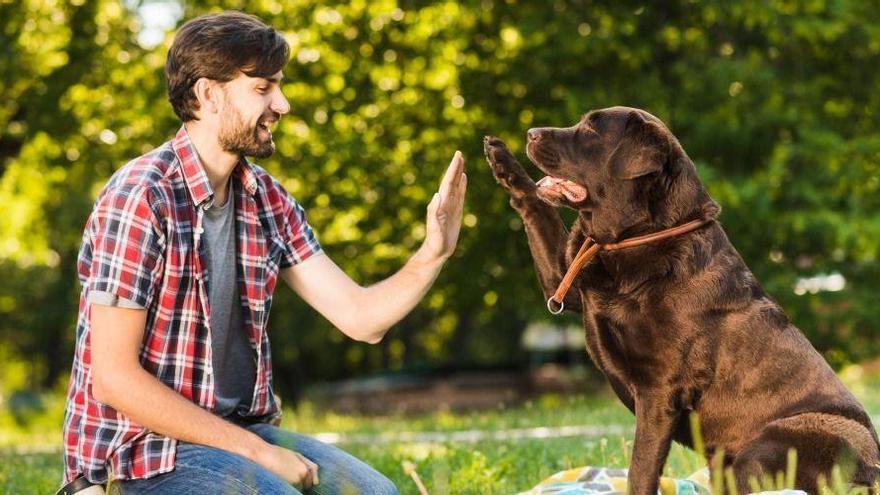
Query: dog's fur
x=680, y=326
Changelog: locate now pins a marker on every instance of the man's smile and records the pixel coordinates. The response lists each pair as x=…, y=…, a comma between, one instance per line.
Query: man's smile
x=265, y=125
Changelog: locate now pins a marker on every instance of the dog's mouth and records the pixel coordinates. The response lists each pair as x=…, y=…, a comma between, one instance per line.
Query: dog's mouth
x=554, y=190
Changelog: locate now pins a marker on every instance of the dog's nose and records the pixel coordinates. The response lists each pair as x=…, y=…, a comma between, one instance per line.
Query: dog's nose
x=535, y=134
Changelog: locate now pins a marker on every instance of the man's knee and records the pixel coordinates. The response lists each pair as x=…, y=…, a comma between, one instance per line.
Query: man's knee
x=366, y=481
x=384, y=486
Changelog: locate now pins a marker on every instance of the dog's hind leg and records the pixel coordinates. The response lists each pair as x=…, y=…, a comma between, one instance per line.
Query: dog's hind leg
x=759, y=459
x=821, y=441
x=546, y=233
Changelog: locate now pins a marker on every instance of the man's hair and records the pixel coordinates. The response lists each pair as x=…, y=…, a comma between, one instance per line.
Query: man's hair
x=218, y=47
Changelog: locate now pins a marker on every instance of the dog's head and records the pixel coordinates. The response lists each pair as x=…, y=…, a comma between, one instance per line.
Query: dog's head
x=623, y=169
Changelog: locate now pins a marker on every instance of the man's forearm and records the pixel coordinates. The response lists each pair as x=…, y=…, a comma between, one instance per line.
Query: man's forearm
x=145, y=400
x=366, y=313
x=385, y=303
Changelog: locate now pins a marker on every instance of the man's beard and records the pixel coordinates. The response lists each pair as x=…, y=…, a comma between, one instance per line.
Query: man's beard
x=236, y=136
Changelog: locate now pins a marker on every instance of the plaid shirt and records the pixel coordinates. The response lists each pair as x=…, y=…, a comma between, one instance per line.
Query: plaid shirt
x=142, y=243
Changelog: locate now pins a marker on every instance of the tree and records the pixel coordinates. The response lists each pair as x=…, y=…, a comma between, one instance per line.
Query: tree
x=774, y=101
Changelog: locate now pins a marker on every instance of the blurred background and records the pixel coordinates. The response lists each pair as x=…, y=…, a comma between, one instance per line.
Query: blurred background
x=777, y=103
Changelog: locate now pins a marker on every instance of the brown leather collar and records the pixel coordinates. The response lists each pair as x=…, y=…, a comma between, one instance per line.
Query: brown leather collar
x=590, y=247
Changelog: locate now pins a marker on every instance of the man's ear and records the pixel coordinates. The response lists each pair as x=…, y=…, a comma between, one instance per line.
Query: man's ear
x=642, y=150
x=207, y=93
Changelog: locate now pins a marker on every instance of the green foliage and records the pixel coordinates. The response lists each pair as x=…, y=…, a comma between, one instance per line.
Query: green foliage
x=775, y=101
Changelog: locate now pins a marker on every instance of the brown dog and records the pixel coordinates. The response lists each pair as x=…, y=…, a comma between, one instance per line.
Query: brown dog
x=679, y=325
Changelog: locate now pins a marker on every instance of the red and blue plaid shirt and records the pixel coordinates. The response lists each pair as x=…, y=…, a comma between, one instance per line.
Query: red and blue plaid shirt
x=142, y=244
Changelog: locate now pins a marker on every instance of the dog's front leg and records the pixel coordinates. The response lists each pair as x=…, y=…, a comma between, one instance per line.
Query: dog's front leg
x=545, y=231
x=655, y=423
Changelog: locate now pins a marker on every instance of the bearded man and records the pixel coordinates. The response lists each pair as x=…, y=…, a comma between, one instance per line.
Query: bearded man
x=171, y=386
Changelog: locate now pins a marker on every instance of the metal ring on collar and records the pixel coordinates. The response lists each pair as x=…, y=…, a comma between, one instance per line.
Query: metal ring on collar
x=550, y=308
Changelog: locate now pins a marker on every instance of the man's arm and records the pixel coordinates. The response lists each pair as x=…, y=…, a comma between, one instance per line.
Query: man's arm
x=366, y=313
x=119, y=381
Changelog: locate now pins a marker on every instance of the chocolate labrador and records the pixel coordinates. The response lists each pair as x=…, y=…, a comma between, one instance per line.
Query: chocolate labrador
x=678, y=325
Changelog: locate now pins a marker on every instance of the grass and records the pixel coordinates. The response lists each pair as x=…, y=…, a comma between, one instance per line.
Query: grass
x=484, y=467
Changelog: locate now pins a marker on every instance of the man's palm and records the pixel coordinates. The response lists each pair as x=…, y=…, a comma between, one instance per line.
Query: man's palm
x=445, y=210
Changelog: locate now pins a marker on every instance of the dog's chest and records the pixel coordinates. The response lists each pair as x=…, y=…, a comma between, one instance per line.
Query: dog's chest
x=607, y=318
x=627, y=337
x=623, y=314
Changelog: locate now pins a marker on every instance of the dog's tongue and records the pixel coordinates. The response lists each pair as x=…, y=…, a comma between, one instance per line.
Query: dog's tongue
x=573, y=192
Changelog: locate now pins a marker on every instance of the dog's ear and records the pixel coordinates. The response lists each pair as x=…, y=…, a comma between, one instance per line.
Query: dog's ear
x=642, y=150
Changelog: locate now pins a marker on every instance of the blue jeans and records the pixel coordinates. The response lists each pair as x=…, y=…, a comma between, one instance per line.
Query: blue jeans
x=201, y=470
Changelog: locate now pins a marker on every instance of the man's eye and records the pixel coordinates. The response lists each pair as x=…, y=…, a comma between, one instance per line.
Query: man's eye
x=262, y=89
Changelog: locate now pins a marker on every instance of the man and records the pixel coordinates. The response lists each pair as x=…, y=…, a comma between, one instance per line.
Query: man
x=171, y=387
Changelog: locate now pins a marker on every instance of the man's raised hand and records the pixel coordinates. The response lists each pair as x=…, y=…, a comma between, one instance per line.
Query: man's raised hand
x=445, y=210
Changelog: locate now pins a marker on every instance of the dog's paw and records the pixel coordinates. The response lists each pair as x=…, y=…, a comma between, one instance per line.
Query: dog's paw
x=506, y=170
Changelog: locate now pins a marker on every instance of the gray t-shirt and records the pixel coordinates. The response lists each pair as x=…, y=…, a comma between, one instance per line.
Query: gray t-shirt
x=233, y=358
x=235, y=362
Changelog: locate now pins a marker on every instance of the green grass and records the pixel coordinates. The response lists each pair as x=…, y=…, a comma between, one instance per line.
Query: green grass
x=487, y=467
x=484, y=467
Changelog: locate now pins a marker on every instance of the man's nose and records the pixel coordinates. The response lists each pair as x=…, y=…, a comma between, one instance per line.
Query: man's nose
x=279, y=103
x=535, y=134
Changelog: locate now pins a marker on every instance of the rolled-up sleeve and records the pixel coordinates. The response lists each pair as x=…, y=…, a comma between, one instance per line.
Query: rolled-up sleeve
x=126, y=247
x=301, y=241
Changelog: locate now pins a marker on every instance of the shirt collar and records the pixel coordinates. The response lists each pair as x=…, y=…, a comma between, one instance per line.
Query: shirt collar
x=194, y=173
